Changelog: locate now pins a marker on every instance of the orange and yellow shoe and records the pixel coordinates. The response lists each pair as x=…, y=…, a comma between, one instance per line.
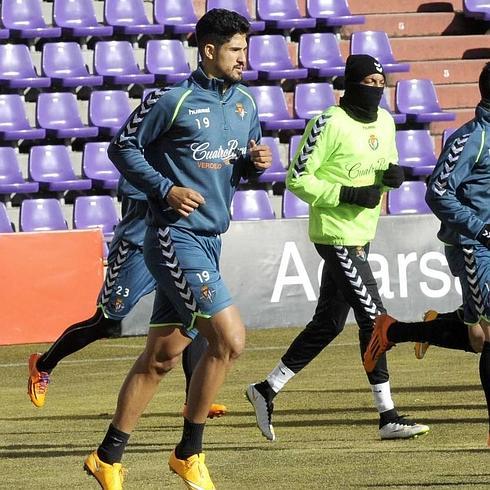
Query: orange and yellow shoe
x=109, y=476
x=37, y=384
x=379, y=342
x=420, y=348
x=215, y=411
x=192, y=470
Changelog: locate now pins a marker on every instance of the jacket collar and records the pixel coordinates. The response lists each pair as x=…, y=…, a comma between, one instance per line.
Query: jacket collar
x=483, y=111
x=213, y=84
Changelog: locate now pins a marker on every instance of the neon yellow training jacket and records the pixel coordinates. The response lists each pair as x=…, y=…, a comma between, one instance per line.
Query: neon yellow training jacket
x=336, y=150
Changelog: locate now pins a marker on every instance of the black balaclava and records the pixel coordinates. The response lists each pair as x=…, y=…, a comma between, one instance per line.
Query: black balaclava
x=484, y=85
x=361, y=101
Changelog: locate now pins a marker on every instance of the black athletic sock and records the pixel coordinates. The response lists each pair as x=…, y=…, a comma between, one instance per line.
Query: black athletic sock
x=452, y=315
x=191, y=442
x=387, y=417
x=112, y=448
x=265, y=389
x=77, y=337
x=190, y=357
x=485, y=374
x=443, y=332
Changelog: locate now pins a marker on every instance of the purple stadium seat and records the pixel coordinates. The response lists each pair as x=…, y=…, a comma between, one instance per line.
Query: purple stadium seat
x=478, y=9
x=293, y=206
x=128, y=17
x=6, y=226
x=417, y=98
x=416, y=151
x=269, y=55
x=251, y=205
x=25, y=19
x=77, y=19
x=11, y=179
x=42, y=215
x=276, y=172
x=95, y=212
x=17, y=69
x=115, y=61
x=97, y=166
x=332, y=13
x=311, y=99
x=397, y=117
x=445, y=136
x=293, y=146
x=108, y=110
x=58, y=113
x=4, y=33
x=409, y=198
x=64, y=64
x=13, y=120
x=239, y=6
x=320, y=53
x=377, y=44
x=283, y=14
x=166, y=60
x=51, y=166
x=249, y=75
x=178, y=16
x=273, y=110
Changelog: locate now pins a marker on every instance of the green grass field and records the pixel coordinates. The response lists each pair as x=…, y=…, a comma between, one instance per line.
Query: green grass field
x=326, y=426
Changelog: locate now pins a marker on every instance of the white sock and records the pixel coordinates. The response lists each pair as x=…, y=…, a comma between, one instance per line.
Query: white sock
x=279, y=376
x=382, y=397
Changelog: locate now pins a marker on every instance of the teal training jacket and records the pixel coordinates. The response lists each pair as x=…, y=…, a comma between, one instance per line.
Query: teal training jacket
x=190, y=135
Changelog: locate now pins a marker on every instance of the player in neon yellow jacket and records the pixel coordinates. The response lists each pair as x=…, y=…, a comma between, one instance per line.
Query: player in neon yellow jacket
x=346, y=159
x=337, y=152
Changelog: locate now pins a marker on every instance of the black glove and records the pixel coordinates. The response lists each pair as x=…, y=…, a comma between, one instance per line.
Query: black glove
x=393, y=176
x=367, y=196
x=484, y=236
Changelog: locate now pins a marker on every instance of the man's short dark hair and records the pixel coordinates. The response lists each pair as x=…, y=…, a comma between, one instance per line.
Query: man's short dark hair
x=484, y=82
x=218, y=26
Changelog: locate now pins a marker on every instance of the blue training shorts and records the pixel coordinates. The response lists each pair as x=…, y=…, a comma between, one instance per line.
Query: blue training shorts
x=127, y=280
x=186, y=267
x=471, y=264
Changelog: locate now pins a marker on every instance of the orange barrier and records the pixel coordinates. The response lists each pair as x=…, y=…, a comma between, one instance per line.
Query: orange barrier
x=47, y=282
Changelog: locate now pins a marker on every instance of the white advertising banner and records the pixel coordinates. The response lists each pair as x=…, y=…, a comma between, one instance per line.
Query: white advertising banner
x=273, y=271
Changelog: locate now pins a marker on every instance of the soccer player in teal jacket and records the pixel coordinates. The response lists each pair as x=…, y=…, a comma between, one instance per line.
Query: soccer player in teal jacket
x=186, y=148
x=458, y=194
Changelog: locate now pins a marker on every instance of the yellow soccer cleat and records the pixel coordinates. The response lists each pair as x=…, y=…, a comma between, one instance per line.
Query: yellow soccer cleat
x=420, y=348
x=109, y=476
x=192, y=470
x=215, y=411
x=37, y=384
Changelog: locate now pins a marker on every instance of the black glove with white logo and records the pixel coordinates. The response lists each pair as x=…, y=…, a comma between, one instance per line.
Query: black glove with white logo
x=367, y=196
x=484, y=236
x=393, y=176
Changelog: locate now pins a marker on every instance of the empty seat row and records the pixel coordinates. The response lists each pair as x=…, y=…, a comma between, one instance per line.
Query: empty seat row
x=58, y=116
x=50, y=168
x=77, y=18
x=255, y=204
x=47, y=215
x=101, y=212
x=114, y=62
